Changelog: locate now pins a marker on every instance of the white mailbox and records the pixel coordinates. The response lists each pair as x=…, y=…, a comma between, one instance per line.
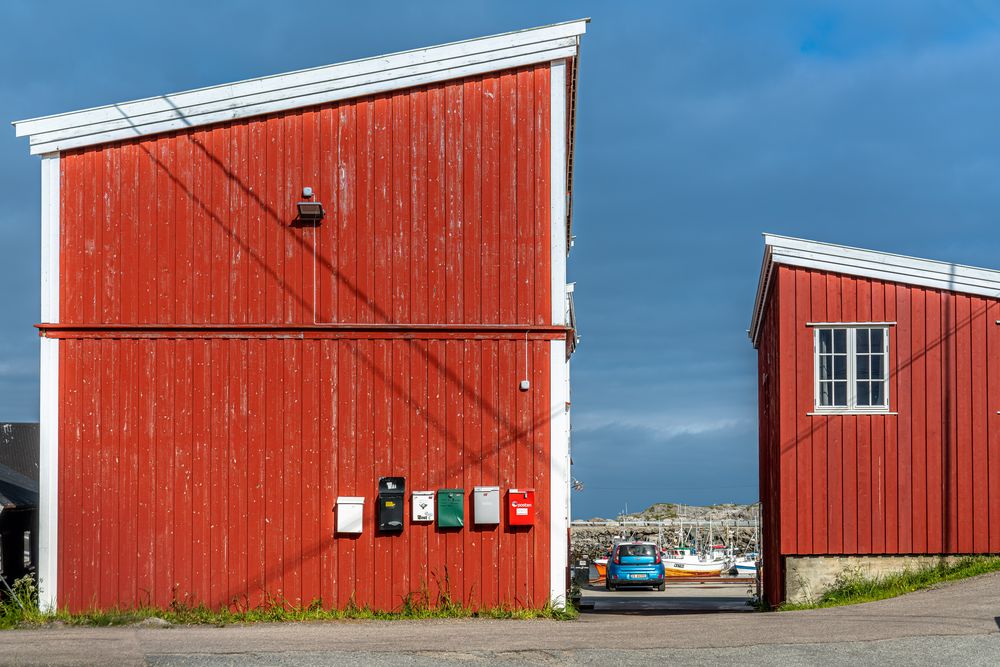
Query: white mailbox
x=350, y=512
x=423, y=505
x=486, y=505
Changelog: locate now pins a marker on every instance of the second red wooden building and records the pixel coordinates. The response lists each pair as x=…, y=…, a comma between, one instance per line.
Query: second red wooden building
x=879, y=392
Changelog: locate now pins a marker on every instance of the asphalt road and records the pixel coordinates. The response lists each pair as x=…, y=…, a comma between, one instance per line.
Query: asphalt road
x=955, y=624
x=680, y=596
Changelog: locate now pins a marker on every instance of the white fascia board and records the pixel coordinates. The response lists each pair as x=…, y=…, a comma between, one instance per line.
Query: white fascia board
x=309, y=87
x=559, y=473
x=863, y=263
x=48, y=408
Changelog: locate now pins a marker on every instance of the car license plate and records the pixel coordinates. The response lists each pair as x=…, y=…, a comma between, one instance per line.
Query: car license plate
x=637, y=576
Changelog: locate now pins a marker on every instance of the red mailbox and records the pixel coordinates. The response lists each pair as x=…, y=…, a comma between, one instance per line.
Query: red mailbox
x=521, y=507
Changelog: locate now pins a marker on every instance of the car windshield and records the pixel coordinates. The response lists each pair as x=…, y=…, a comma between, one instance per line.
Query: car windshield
x=636, y=550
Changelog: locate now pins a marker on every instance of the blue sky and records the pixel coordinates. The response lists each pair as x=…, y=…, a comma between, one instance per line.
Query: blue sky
x=701, y=125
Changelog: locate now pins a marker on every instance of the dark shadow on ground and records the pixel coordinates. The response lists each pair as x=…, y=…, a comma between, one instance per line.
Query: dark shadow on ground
x=679, y=598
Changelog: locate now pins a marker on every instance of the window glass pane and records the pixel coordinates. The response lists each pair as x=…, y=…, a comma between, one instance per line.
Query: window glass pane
x=862, y=340
x=840, y=367
x=824, y=367
x=840, y=393
x=876, y=340
x=862, y=366
x=840, y=340
x=825, y=341
x=877, y=367
x=863, y=398
x=878, y=397
x=636, y=550
x=825, y=393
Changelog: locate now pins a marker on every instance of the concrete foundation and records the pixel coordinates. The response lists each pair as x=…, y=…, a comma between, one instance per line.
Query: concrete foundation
x=808, y=577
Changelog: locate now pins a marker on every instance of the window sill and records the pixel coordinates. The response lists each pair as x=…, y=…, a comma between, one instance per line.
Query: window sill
x=825, y=413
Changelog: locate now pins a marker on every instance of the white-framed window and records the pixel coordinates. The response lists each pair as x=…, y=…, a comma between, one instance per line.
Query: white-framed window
x=851, y=367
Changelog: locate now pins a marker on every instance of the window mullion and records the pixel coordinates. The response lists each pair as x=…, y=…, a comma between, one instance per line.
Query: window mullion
x=852, y=387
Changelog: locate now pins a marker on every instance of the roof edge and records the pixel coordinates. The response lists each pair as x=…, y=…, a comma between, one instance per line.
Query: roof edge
x=307, y=87
x=877, y=265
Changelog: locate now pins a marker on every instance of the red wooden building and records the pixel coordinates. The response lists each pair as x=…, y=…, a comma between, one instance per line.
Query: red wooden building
x=879, y=391
x=217, y=368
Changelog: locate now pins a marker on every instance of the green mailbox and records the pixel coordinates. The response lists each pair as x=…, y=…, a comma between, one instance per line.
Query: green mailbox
x=451, y=508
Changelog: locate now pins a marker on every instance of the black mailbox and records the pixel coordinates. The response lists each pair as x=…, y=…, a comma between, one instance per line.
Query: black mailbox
x=391, y=491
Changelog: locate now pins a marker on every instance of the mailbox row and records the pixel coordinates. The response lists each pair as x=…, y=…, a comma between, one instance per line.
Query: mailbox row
x=447, y=512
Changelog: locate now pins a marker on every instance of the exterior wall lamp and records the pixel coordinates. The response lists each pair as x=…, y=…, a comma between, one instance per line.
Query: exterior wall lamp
x=310, y=211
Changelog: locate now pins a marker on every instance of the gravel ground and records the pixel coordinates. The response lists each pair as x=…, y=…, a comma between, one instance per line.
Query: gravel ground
x=955, y=624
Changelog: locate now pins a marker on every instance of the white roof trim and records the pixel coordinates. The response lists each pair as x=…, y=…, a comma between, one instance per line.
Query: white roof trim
x=867, y=264
x=308, y=87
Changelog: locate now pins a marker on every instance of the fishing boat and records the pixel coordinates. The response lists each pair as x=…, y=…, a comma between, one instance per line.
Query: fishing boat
x=685, y=562
x=746, y=565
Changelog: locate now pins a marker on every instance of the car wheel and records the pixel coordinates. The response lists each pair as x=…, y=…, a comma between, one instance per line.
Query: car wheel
x=662, y=587
x=607, y=585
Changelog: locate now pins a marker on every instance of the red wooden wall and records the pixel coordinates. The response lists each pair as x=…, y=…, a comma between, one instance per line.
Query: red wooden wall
x=437, y=203
x=925, y=480
x=207, y=470
x=201, y=463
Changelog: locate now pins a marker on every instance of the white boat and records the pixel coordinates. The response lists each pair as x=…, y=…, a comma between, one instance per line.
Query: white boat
x=685, y=562
x=746, y=565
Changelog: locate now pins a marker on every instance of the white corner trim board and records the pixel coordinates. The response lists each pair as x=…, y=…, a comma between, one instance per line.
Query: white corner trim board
x=292, y=90
x=48, y=408
x=559, y=473
x=557, y=188
x=559, y=491
x=50, y=239
x=850, y=261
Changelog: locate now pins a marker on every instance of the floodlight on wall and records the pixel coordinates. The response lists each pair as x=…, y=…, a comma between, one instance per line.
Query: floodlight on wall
x=310, y=211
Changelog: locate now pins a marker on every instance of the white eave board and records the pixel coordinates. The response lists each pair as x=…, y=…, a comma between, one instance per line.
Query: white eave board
x=320, y=85
x=863, y=263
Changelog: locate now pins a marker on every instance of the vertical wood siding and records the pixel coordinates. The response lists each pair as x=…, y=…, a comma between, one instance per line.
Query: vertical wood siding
x=204, y=467
x=769, y=404
x=923, y=481
x=437, y=211
x=206, y=470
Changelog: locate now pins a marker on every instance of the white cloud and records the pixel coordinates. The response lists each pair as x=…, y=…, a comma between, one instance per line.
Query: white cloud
x=661, y=424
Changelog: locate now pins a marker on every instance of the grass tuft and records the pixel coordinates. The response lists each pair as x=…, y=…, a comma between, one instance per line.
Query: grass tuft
x=852, y=587
x=20, y=605
x=21, y=610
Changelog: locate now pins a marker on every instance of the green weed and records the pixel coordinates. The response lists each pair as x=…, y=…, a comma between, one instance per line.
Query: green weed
x=21, y=610
x=21, y=604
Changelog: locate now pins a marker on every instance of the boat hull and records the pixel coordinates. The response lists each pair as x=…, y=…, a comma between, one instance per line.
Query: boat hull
x=693, y=569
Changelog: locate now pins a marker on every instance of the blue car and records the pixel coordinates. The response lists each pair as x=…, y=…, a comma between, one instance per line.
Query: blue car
x=635, y=564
